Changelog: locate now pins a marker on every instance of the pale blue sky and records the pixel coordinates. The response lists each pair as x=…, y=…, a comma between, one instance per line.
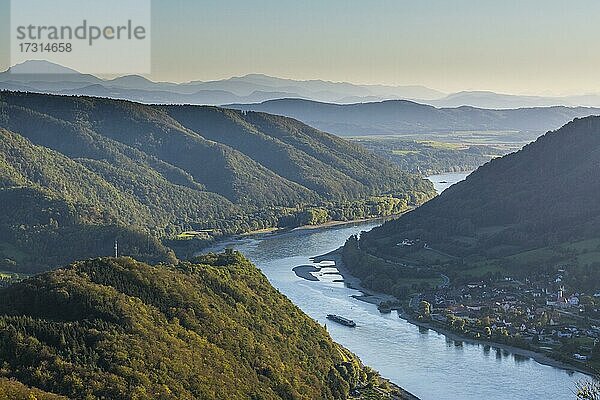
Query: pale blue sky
x=510, y=46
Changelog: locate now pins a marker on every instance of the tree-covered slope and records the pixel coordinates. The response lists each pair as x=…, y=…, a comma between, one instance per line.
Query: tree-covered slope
x=544, y=194
x=14, y=390
x=144, y=128
x=211, y=329
x=162, y=170
x=324, y=163
x=235, y=153
x=40, y=231
x=24, y=164
x=533, y=211
x=245, y=157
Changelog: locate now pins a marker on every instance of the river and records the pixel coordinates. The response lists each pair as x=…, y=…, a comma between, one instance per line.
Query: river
x=442, y=182
x=421, y=361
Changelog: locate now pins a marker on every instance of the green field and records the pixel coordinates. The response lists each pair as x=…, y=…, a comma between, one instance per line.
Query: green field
x=443, y=145
x=192, y=234
x=431, y=153
x=508, y=138
x=572, y=254
x=426, y=257
x=584, y=251
x=537, y=256
x=483, y=268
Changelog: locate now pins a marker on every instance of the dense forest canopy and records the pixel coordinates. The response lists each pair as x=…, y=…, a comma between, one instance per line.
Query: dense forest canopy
x=78, y=173
x=11, y=389
x=213, y=328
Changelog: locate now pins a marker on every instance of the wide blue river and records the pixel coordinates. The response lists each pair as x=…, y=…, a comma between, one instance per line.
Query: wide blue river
x=423, y=362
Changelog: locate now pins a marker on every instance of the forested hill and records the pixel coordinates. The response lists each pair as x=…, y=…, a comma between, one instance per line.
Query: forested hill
x=543, y=195
x=211, y=329
x=403, y=116
x=79, y=172
x=11, y=389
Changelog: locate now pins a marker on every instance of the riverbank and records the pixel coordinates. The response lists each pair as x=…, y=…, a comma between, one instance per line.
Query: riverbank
x=540, y=358
x=287, y=232
x=331, y=224
x=424, y=364
x=376, y=298
x=325, y=225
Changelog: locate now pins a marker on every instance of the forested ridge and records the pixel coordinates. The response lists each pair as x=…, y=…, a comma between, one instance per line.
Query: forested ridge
x=76, y=173
x=391, y=117
x=211, y=328
x=524, y=210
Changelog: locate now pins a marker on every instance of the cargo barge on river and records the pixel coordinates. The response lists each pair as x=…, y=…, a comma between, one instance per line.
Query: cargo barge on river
x=341, y=320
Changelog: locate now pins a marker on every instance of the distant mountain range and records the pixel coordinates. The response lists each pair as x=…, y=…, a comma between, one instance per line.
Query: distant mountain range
x=42, y=76
x=403, y=116
x=492, y=100
x=46, y=77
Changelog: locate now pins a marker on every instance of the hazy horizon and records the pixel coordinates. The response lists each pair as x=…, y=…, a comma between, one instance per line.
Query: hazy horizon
x=513, y=47
x=442, y=93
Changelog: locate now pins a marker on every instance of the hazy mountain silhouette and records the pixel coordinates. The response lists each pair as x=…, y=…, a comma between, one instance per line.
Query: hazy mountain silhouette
x=486, y=99
x=46, y=77
x=43, y=76
x=402, y=116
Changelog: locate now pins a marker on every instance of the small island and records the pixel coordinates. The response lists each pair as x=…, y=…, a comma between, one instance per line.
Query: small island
x=305, y=272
